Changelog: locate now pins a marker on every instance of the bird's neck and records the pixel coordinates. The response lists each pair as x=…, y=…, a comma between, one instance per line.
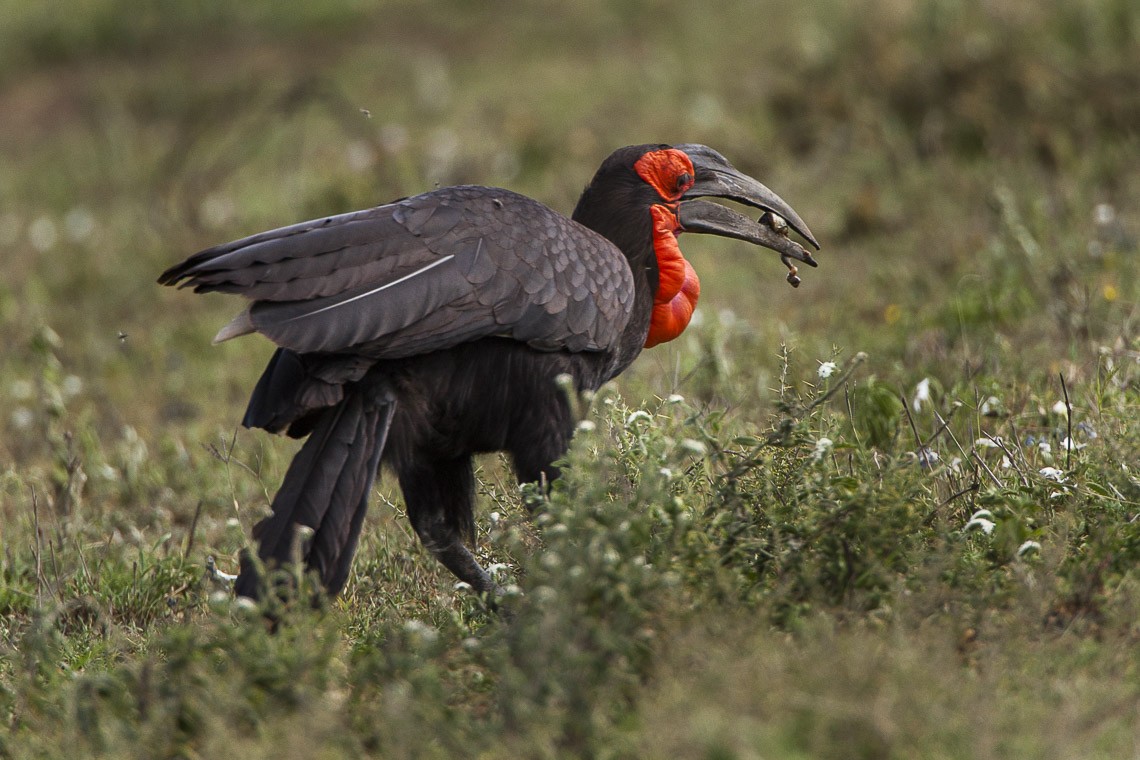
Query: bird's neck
x=678, y=287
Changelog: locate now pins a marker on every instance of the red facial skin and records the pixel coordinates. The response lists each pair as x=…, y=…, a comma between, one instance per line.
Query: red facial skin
x=670, y=173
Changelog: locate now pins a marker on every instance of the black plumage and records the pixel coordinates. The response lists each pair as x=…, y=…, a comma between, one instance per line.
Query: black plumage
x=432, y=328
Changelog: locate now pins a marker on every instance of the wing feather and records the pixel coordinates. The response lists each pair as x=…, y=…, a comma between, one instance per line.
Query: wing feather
x=421, y=274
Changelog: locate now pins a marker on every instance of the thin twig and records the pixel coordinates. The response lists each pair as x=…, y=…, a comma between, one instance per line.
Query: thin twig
x=38, y=548
x=910, y=419
x=1068, y=423
x=1009, y=456
x=973, y=487
x=986, y=467
x=943, y=423
x=193, y=530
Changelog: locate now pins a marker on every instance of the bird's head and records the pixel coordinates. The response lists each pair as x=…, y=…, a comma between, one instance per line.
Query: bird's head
x=643, y=196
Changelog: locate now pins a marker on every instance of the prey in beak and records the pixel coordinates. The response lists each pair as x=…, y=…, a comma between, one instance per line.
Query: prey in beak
x=715, y=177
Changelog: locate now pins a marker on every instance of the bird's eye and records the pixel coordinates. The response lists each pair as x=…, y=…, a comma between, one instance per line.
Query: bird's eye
x=684, y=180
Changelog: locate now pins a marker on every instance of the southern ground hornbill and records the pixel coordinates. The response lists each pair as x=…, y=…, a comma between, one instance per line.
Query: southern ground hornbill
x=421, y=332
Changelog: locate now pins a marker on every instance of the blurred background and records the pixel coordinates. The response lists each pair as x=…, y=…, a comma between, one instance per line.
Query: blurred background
x=971, y=167
x=908, y=134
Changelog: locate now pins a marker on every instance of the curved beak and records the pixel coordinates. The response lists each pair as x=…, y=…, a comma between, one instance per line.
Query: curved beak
x=716, y=177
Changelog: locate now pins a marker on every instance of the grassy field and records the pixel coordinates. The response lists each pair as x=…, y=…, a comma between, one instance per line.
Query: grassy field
x=892, y=514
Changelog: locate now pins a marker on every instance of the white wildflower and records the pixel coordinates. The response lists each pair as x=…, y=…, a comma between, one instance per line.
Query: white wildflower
x=245, y=604
x=587, y=426
x=1061, y=409
x=423, y=631
x=983, y=520
x=42, y=233
x=1070, y=445
x=927, y=457
x=22, y=418
x=1052, y=473
x=1104, y=214
x=921, y=394
x=1028, y=547
x=693, y=446
x=71, y=386
x=675, y=398
x=827, y=369
x=988, y=443
x=1044, y=447
x=990, y=406
x=666, y=473
x=79, y=224
x=822, y=447
x=640, y=414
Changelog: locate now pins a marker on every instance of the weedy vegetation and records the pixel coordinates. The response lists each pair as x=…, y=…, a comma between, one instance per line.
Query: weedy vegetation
x=894, y=513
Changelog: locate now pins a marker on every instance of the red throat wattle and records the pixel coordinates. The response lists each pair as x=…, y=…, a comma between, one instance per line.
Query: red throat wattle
x=677, y=287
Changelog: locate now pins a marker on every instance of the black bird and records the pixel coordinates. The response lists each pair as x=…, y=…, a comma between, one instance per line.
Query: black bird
x=421, y=332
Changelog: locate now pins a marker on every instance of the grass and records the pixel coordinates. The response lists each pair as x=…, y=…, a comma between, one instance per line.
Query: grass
x=746, y=558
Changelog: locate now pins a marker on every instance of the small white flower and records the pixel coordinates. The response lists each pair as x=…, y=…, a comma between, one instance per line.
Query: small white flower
x=1027, y=547
x=22, y=418
x=1069, y=445
x=495, y=517
x=675, y=398
x=79, y=224
x=927, y=457
x=827, y=369
x=1052, y=473
x=42, y=233
x=822, y=447
x=988, y=443
x=422, y=630
x=956, y=465
x=990, y=406
x=586, y=426
x=245, y=604
x=1005, y=463
x=1104, y=214
x=921, y=394
x=495, y=568
x=1061, y=408
x=983, y=520
x=666, y=473
x=640, y=414
x=71, y=386
x=1044, y=447
x=693, y=447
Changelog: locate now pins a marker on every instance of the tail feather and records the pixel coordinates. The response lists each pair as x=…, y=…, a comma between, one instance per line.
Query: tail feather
x=326, y=489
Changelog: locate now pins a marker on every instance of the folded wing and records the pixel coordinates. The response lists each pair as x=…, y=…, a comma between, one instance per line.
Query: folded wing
x=422, y=274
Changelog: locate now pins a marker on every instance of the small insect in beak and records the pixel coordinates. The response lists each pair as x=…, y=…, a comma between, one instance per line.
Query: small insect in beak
x=779, y=225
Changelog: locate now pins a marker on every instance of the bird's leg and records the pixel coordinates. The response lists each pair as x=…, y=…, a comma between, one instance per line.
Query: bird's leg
x=440, y=496
x=536, y=449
